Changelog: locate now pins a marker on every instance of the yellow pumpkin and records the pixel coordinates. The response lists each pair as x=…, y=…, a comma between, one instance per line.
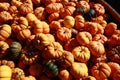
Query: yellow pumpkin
x=5, y=72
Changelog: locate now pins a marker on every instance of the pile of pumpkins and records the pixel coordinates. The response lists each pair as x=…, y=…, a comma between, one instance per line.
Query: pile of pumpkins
x=58, y=40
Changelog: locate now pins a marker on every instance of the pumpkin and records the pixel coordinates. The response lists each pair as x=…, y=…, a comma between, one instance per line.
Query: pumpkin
x=80, y=10
x=83, y=4
x=36, y=2
x=100, y=38
x=51, y=68
x=69, y=21
x=71, y=44
x=29, y=55
x=113, y=54
x=84, y=38
x=40, y=13
x=116, y=75
x=53, y=7
x=99, y=9
x=28, y=78
x=4, y=6
x=11, y=64
x=78, y=70
x=66, y=59
x=12, y=10
x=41, y=41
x=101, y=71
x=96, y=48
x=67, y=11
x=89, y=78
x=5, y=72
x=81, y=53
x=64, y=34
x=110, y=29
x=5, y=32
x=70, y=4
x=114, y=68
x=91, y=27
x=89, y=15
x=35, y=70
x=18, y=73
x=54, y=26
x=16, y=3
x=53, y=16
x=64, y=74
x=53, y=50
x=15, y=49
x=25, y=9
x=44, y=77
x=3, y=49
x=5, y=17
x=24, y=34
x=79, y=22
x=47, y=2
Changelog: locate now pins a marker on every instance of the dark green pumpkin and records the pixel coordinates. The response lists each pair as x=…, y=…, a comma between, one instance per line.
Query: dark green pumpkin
x=52, y=68
x=15, y=49
x=80, y=10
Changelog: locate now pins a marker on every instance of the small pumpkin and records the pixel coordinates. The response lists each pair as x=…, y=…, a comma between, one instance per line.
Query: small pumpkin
x=114, y=68
x=101, y=71
x=64, y=34
x=5, y=17
x=67, y=11
x=3, y=49
x=40, y=13
x=53, y=50
x=84, y=38
x=53, y=7
x=16, y=3
x=51, y=68
x=47, y=2
x=66, y=59
x=4, y=6
x=99, y=9
x=5, y=32
x=36, y=2
x=35, y=70
x=69, y=21
x=80, y=10
x=5, y=72
x=18, y=73
x=116, y=76
x=79, y=70
x=24, y=34
x=81, y=53
x=54, y=17
x=79, y=23
x=44, y=77
x=96, y=48
x=15, y=49
x=64, y=74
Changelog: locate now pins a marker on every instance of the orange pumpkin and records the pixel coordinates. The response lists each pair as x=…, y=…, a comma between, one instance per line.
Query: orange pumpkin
x=5, y=32
x=53, y=7
x=67, y=11
x=16, y=3
x=4, y=6
x=29, y=78
x=71, y=44
x=66, y=59
x=79, y=22
x=96, y=48
x=40, y=13
x=36, y=2
x=64, y=34
x=84, y=38
x=116, y=76
x=64, y=74
x=24, y=34
x=35, y=70
x=69, y=21
x=101, y=71
x=99, y=9
x=100, y=38
x=79, y=70
x=53, y=50
x=47, y=2
x=81, y=53
x=53, y=16
x=114, y=68
x=3, y=49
